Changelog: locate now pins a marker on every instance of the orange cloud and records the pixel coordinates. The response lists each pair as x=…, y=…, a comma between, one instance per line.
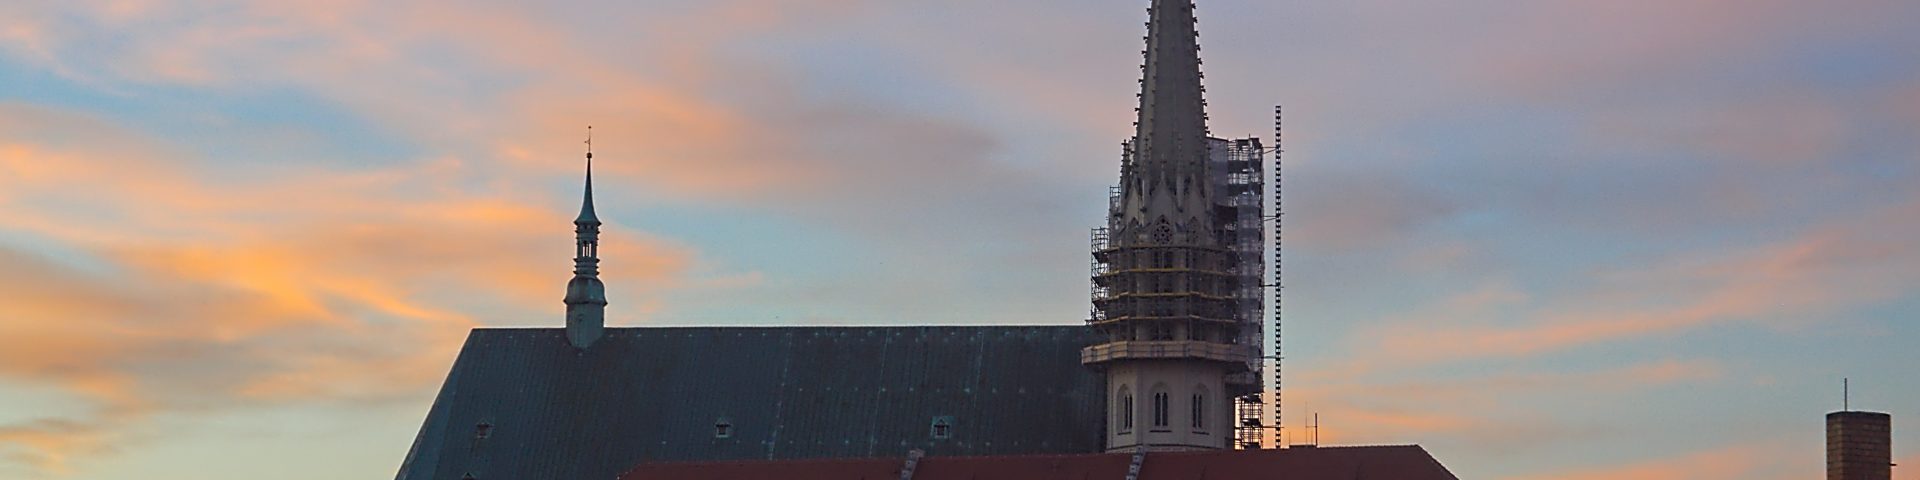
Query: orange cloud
x=1746, y=461
x=1366, y=409
x=675, y=114
x=174, y=292
x=661, y=125
x=47, y=444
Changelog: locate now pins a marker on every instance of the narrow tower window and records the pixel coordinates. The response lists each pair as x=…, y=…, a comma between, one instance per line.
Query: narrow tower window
x=1160, y=409
x=1199, y=411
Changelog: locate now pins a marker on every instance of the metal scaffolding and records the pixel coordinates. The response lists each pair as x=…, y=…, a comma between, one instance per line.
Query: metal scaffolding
x=1240, y=182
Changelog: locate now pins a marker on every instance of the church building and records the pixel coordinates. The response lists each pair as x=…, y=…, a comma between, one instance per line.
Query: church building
x=1163, y=380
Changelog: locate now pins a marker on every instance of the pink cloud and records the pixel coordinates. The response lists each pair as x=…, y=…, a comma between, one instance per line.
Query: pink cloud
x=1762, y=130
x=1861, y=259
x=1906, y=103
x=1591, y=46
x=1346, y=212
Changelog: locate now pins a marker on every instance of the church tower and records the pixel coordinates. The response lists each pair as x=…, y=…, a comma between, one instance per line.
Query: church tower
x=586, y=296
x=1164, y=281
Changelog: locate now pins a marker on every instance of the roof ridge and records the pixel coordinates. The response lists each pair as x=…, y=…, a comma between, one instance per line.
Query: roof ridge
x=796, y=327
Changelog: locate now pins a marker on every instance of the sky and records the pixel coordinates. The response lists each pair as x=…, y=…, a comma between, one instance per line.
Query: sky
x=1543, y=239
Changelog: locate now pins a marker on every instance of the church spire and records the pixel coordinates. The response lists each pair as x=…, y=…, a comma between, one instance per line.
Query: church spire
x=1167, y=181
x=586, y=295
x=1173, y=120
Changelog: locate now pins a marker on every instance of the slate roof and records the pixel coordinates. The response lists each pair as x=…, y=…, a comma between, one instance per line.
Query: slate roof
x=523, y=404
x=1406, y=462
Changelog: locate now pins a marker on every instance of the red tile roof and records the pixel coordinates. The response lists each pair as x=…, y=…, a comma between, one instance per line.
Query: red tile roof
x=1326, y=463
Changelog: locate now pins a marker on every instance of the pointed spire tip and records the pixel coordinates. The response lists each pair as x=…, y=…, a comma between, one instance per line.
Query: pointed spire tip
x=586, y=203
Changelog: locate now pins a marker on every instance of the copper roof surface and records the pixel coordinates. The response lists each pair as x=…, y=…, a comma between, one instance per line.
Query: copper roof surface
x=522, y=404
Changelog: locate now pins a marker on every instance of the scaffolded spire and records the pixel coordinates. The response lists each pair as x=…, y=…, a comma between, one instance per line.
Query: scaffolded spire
x=1164, y=293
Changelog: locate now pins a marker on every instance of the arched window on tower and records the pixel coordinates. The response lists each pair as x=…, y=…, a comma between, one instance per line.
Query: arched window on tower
x=1160, y=409
x=1123, y=411
x=1199, y=408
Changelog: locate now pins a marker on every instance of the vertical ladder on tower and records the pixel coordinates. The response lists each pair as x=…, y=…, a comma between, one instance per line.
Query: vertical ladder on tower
x=1279, y=211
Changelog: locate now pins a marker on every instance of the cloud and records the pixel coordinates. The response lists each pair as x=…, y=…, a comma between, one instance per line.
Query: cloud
x=1773, y=130
x=1347, y=211
x=1660, y=47
x=45, y=445
x=1848, y=262
x=1762, y=460
x=1905, y=103
x=955, y=173
x=175, y=293
x=1484, y=408
x=283, y=283
x=685, y=112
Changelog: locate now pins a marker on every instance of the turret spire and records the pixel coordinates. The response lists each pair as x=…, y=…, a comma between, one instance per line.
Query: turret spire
x=586, y=295
x=586, y=203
